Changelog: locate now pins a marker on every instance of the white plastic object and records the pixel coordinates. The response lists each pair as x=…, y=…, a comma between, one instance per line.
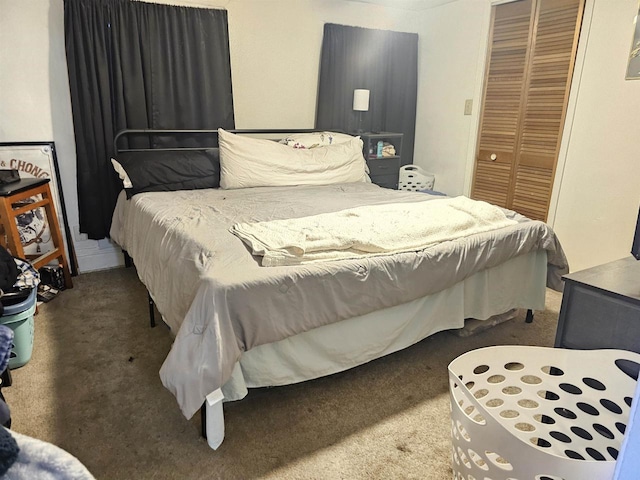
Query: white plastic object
x=520, y=412
x=414, y=178
x=215, y=419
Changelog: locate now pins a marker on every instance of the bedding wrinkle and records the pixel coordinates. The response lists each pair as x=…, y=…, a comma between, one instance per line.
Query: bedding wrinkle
x=219, y=301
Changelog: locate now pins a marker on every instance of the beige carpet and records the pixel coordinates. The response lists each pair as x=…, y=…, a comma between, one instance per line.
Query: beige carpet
x=92, y=388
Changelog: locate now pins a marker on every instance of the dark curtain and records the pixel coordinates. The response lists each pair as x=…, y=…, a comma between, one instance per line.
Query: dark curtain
x=139, y=65
x=385, y=63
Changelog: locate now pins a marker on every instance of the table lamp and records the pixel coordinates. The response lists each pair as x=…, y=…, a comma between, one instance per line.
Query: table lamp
x=360, y=104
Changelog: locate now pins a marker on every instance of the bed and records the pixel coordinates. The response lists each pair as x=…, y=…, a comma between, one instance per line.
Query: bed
x=239, y=324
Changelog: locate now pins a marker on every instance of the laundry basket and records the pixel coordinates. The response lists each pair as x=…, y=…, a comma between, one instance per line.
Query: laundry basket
x=415, y=178
x=525, y=413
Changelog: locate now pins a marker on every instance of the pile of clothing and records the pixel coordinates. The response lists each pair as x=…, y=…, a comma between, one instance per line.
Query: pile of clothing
x=388, y=150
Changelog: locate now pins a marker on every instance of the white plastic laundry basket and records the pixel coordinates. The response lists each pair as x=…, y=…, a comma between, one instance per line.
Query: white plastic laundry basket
x=415, y=178
x=525, y=413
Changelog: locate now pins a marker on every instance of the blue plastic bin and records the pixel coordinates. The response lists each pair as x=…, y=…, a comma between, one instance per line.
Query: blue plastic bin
x=19, y=318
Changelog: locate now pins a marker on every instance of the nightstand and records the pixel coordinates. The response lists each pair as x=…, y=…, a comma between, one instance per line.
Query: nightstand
x=384, y=171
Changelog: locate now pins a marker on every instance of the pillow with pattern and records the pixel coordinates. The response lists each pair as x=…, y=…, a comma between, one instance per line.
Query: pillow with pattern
x=315, y=139
x=253, y=162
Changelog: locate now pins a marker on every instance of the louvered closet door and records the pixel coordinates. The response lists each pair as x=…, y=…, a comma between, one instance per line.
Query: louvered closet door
x=550, y=69
x=532, y=50
x=504, y=89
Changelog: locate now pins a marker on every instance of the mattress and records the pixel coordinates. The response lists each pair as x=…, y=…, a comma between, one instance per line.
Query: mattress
x=220, y=302
x=516, y=283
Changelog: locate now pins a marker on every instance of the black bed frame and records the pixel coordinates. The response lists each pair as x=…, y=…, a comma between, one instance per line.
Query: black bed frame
x=206, y=134
x=213, y=135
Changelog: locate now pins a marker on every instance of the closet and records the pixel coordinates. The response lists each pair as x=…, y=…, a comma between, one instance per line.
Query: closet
x=530, y=63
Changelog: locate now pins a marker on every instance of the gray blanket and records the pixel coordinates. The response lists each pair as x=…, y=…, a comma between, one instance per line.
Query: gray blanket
x=221, y=302
x=44, y=461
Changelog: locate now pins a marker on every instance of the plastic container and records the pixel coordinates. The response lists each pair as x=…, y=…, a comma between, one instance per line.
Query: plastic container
x=414, y=178
x=18, y=302
x=520, y=412
x=19, y=318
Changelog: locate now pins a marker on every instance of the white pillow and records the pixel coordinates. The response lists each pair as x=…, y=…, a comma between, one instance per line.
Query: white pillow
x=251, y=162
x=126, y=182
x=315, y=139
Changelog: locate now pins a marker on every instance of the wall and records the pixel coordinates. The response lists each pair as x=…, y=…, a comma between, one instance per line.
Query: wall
x=451, y=71
x=275, y=52
x=598, y=199
x=35, y=103
x=275, y=56
x=597, y=188
x=275, y=47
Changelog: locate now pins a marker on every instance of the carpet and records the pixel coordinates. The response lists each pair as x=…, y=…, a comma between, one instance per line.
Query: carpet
x=92, y=388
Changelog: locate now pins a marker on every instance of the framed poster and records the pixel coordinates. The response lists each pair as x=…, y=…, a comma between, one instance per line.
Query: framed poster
x=39, y=160
x=633, y=68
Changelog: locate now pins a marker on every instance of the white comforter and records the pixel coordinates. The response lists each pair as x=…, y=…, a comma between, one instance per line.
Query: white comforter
x=369, y=230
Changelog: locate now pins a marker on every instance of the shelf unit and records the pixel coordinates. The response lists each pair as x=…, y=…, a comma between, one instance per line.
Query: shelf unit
x=384, y=171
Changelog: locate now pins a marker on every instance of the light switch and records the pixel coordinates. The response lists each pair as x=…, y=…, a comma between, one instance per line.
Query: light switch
x=468, y=106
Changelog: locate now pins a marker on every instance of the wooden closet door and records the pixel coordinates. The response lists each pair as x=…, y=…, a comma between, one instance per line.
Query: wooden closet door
x=504, y=90
x=532, y=52
x=555, y=40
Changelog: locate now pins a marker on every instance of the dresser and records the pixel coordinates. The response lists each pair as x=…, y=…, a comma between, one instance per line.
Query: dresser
x=601, y=307
x=384, y=170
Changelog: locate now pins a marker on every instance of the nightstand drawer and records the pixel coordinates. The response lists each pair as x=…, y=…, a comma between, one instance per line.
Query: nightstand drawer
x=386, y=181
x=384, y=166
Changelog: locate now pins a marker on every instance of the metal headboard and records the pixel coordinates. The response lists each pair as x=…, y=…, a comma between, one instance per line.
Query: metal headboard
x=130, y=133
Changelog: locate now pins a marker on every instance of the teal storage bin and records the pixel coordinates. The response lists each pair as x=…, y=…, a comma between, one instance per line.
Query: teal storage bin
x=19, y=318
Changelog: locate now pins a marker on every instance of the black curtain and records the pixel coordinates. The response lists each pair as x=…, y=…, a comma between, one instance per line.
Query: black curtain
x=383, y=62
x=139, y=65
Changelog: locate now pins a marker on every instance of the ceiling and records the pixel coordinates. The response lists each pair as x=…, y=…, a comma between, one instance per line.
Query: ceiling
x=407, y=4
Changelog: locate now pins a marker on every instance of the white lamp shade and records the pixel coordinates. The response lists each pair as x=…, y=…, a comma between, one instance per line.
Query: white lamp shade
x=361, y=100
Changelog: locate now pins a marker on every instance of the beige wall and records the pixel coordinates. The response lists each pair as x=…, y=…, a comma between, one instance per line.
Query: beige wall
x=451, y=53
x=275, y=56
x=275, y=52
x=599, y=192
x=275, y=48
x=35, y=103
x=597, y=188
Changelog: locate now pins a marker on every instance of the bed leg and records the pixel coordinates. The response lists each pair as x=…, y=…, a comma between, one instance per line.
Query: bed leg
x=152, y=314
x=203, y=420
x=128, y=261
x=529, y=318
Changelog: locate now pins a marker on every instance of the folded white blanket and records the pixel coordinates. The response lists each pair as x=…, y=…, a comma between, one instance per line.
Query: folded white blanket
x=369, y=230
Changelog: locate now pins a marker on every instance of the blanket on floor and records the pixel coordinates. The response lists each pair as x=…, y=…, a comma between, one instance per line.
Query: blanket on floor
x=43, y=461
